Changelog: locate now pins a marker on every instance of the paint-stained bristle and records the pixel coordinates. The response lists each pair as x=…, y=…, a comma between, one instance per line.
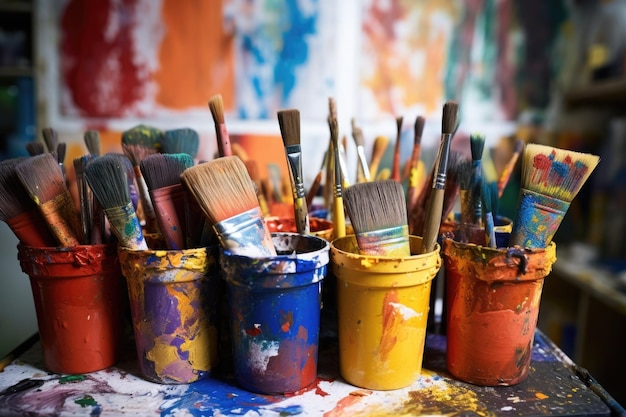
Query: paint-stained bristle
x=418, y=129
x=35, y=148
x=518, y=147
x=163, y=170
x=183, y=140
x=51, y=138
x=41, y=177
x=108, y=179
x=141, y=141
x=556, y=172
x=464, y=169
x=13, y=197
x=477, y=145
x=289, y=123
x=216, y=106
x=92, y=141
x=375, y=205
x=450, y=116
x=222, y=187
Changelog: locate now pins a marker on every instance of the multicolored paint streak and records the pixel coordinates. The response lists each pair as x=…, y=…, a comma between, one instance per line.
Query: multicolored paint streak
x=173, y=305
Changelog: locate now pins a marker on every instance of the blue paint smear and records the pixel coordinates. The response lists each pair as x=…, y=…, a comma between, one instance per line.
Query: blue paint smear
x=215, y=394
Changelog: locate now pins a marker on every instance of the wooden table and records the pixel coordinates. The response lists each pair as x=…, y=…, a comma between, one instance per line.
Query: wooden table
x=555, y=386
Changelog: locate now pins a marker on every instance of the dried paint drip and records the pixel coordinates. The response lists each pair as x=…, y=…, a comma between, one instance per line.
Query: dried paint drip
x=275, y=313
x=173, y=299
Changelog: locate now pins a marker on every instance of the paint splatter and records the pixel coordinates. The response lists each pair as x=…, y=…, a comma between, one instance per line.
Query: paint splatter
x=86, y=400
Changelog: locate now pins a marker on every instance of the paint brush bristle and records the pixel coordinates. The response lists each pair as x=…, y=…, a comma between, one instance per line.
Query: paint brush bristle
x=216, y=106
x=450, y=117
x=477, y=146
x=222, y=187
x=556, y=172
x=35, y=148
x=50, y=138
x=183, y=140
x=395, y=168
x=107, y=176
x=13, y=197
x=141, y=141
x=289, y=123
x=163, y=170
x=92, y=141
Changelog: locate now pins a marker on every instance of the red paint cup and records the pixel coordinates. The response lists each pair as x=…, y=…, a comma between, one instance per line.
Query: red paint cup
x=79, y=295
x=492, y=301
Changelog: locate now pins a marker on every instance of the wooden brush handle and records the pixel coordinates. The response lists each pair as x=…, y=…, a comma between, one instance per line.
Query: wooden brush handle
x=433, y=220
x=302, y=216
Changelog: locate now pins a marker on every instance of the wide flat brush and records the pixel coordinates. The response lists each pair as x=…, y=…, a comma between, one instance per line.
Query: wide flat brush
x=35, y=148
x=339, y=220
x=162, y=173
x=43, y=180
x=377, y=211
x=108, y=179
x=289, y=122
x=216, y=106
x=395, y=166
x=92, y=141
x=19, y=211
x=223, y=189
x=363, y=172
x=432, y=222
x=551, y=178
x=182, y=140
x=137, y=143
x=503, y=180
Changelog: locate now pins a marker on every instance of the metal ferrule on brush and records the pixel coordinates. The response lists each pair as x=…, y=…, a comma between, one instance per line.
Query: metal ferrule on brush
x=393, y=241
x=294, y=156
x=439, y=181
x=246, y=234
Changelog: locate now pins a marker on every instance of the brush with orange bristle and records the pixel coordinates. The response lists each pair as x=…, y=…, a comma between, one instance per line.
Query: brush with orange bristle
x=551, y=178
x=378, y=151
x=43, y=180
x=137, y=143
x=216, y=106
x=225, y=192
x=503, y=180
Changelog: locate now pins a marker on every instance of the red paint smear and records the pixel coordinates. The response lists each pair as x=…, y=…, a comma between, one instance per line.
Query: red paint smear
x=253, y=332
x=87, y=57
x=344, y=403
x=314, y=386
x=390, y=322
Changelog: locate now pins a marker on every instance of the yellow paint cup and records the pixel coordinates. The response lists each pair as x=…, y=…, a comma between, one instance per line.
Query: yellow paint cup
x=383, y=307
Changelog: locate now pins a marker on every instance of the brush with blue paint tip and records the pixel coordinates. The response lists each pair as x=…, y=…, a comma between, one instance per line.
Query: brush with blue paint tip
x=487, y=210
x=182, y=140
x=551, y=178
x=477, y=146
x=225, y=192
x=108, y=179
x=162, y=173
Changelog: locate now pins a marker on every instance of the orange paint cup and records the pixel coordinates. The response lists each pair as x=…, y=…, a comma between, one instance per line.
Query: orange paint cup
x=493, y=300
x=173, y=301
x=319, y=227
x=382, y=313
x=79, y=296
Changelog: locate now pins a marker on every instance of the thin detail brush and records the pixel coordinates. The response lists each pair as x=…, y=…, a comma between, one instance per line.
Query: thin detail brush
x=377, y=211
x=488, y=217
x=289, y=122
x=477, y=145
x=378, y=151
x=226, y=194
x=108, y=179
x=432, y=222
x=252, y=166
x=415, y=182
x=503, y=180
x=551, y=178
x=50, y=138
x=395, y=167
x=339, y=220
x=85, y=197
x=216, y=106
x=92, y=141
x=46, y=185
x=363, y=172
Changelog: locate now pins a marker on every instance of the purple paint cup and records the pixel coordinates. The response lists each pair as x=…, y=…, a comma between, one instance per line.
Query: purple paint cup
x=173, y=299
x=275, y=313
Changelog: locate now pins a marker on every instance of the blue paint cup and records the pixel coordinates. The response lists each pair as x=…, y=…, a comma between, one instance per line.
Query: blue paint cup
x=275, y=307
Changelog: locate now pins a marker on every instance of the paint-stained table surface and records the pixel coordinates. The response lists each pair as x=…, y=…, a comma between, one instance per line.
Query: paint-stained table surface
x=554, y=387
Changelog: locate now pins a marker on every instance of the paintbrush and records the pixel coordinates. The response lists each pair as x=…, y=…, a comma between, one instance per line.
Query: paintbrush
x=50, y=138
x=107, y=177
x=35, y=148
x=61, y=150
x=551, y=178
x=137, y=143
x=225, y=192
x=488, y=216
x=395, y=166
x=313, y=189
x=363, y=172
x=410, y=169
x=92, y=141
x=252, y=167
x=216, y=105
x=477, y=145
x=162, y=174
x=19, y=211
x=183, y=140
x=289, y=122
x=378, y=151
x=432, y=221
x=85, y=197
x=339, y=220
x=43, y=180
x=377, y=211
x=503, y=180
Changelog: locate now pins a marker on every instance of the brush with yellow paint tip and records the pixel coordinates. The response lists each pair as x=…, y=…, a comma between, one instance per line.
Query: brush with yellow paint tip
x=377, y=212
x=43, y=180
x=289, y=122
x=378, y=151
x=216, y=106
x=363, y=172
x=137, y=143
x=339, y=220
x=108, y=178
x=551, y=178
x=226, y=194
